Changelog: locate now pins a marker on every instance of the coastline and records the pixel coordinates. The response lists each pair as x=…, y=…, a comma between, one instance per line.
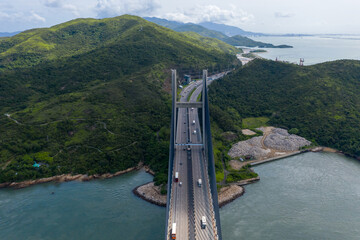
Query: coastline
x=69, y=177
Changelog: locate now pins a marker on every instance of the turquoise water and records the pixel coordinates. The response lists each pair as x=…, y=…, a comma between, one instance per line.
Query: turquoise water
x=313, y=49
x=101, y=209
x=308, y=196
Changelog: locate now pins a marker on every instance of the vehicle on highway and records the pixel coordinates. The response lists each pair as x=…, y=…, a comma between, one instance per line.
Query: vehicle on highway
x=192, y=109
x=199, y=182
x=180, y=184
x=173, y=231
x=193, y=122
x=194, y=132
x=176, y=176
x=203, y=222
x=188, y=148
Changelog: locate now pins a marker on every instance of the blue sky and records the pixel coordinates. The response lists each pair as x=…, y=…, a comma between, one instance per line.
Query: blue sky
x=269, y=16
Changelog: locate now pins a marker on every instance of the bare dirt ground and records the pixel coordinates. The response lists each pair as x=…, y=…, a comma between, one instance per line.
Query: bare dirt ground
x=274, y=143
x=248, y=132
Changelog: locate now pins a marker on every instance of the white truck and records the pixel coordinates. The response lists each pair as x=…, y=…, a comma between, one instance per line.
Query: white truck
x=173, y=231
x=199, y=182
x=176, y=176
x=203, y=222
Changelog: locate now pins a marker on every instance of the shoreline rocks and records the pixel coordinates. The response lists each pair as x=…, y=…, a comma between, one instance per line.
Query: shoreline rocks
x=150, y=193
x=68, y=178
x=230, y=193
x=227, y=194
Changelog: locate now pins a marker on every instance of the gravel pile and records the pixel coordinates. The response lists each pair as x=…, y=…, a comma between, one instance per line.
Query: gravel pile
x=250, y=147
x=280, y=139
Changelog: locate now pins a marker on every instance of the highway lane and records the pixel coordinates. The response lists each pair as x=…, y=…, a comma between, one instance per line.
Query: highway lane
x=182, y=209
x=202, y=197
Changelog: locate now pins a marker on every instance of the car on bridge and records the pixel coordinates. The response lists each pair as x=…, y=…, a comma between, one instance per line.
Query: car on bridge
x=203, y=222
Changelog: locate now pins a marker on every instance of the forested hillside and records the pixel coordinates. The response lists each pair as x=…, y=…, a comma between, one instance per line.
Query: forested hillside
x=236, y=40
x=90, y=96
x=319, y=102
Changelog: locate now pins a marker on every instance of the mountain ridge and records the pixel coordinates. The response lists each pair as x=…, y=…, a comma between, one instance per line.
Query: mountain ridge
x=236, y=40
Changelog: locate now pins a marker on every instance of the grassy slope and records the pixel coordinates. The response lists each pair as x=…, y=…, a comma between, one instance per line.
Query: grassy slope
x=90, y=95
x=321, y=101
x=201, y=30
x=214, y=43
x=234, y=40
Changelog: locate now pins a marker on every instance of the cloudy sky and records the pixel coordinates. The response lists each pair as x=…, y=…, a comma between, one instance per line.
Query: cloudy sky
x=268, y=16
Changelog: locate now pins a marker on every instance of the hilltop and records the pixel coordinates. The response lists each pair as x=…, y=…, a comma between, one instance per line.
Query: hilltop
x=236, y=40
x=318, y=102
x=91, y=96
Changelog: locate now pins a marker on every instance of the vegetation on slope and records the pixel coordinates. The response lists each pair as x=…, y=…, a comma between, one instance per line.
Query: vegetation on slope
x=320, y=102
x=89, y=96
x=215, y=43
x=238, y=40
x=203, y=31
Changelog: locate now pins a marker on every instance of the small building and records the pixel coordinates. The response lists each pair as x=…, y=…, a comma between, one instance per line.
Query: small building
x=187, y=79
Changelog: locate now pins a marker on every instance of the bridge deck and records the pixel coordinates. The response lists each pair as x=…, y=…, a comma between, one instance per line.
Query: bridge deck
x=190, y=202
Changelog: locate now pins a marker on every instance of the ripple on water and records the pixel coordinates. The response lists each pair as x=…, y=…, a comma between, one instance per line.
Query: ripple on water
x=308, y=196
x=99, y=209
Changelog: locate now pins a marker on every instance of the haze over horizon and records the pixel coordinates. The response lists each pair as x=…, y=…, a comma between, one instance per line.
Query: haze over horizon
x=277, y=17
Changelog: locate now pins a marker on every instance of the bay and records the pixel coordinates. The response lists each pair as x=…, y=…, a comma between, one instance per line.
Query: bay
x=313, y=49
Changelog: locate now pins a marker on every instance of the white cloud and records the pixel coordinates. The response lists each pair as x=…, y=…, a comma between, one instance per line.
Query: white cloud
x=22, y=17
x=283, y=15
x=34, y=17
x=112, y=8
x=62, y=5
x=211, y=13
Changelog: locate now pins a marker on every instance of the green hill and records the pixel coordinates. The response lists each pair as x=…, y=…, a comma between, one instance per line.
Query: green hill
x=320, y=102
x=245, y=41
x=90, y=96
x=203, y=31
x=215, y=43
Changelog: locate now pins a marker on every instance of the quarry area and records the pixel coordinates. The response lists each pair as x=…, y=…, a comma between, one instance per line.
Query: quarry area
x=275, y=142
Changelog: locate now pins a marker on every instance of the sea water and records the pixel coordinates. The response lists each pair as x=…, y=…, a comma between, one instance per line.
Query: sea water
x=313, y=49
x=308, y=196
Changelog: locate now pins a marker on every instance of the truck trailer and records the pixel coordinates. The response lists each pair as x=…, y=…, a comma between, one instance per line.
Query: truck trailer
x=173, y=231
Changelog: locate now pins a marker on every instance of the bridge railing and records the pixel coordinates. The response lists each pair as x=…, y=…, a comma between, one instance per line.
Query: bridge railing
x=211, y=166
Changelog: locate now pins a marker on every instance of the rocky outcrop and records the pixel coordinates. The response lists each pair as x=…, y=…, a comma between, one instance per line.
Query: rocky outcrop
x=151, y=193
x=250, y=147
x=229, y=194
x=280, y=139
x=275, y=142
